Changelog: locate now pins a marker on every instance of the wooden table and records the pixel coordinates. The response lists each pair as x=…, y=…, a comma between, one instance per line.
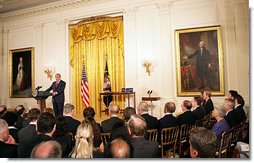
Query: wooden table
x=128, y=94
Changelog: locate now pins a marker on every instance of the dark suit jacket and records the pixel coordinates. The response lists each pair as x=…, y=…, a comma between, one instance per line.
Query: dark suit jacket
x=108, y=124
x=14, y=133
x=27, y=133
x=8, y=150
x=19, y=123
x=202, y=61
x=142, y=148
x=199, y=113
x=25, y=148
x=208, y=106
x=151, y=122
x=240, y=114
x=167, y=121
x=186, y=118
x=73, y=124
x=120, y=132
x=59, y=98
x=231, y=118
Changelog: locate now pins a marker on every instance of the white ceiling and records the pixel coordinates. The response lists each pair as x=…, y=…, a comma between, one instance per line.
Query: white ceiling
x=15, y=5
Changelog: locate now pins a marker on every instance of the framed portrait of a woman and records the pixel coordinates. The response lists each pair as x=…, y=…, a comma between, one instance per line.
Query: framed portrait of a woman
x=21, y=72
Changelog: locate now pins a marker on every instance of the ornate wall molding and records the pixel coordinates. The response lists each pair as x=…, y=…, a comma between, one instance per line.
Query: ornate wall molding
x=46, y=9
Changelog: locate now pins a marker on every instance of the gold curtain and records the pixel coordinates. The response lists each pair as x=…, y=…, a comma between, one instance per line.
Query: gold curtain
x=92, y=43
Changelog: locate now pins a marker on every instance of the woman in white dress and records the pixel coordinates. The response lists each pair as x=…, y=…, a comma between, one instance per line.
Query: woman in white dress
x=20, y=80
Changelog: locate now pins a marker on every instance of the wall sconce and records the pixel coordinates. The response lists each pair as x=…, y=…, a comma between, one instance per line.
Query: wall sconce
x=49, y=70
x=147, y=63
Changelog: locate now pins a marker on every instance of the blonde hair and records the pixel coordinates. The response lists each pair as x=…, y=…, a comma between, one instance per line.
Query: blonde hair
x=84, y=142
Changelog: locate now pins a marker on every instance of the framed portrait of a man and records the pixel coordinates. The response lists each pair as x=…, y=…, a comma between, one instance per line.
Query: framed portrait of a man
x=199, y=57
x=21, y=72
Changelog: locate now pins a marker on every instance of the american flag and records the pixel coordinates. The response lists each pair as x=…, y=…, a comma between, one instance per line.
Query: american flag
x=84, y=88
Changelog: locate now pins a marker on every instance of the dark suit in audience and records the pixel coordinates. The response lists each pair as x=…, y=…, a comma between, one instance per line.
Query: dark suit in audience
x=240, y=114
x=186, y=118
x=8, y=150
x=73, y=124
x=14, y=133
x=168, y=121
x=152, y=122
x=208, y=106
x=20, y=111
x=108, y=124
x=27, y=133
x=231, y=118
x=199, y=113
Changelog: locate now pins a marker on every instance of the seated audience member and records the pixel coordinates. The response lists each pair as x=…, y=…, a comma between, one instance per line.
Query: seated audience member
x=3, y=110
x=11, y=118
x=20, y=111
x=84, y=142
x=151, y=122
x=89, y=114
x=168, y=120
x=119, y=149
x=108, y=124
x=141, y=148
x=72, y=123
x=197, y=110
x=122, y=132
x=49, y=110
x=8, y=147
x=63, y=136
x=29, y=132
x=221, y=126
x=202, y=143
x=240, y=113
x=232, y=93
x=46, y=125
x=208, y=103
x=231, y=116
x=187, y=117
x=47, y=149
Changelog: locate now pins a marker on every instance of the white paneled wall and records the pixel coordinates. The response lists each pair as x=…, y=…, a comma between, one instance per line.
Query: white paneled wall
x=149, y=27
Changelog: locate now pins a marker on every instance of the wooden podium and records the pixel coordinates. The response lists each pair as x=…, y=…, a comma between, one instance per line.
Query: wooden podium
x=151, y=99
x=41, y=97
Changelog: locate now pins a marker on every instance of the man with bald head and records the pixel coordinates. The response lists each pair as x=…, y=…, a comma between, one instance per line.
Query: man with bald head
x=141, y=148
x=203, y=65
x=119, y=149
x=48, y=149
x=113, y=122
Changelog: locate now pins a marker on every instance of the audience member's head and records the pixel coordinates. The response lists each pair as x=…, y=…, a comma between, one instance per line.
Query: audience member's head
x=10, y=117
x=114, y=109
x=186, y=105
x=20, y=110
x=84, y=141
x=62, y=127
x=68, y=109
x=219, y=112
x=46, y=124
x=3, y=110
x=142, y=107
x=137, y=126
x=119, y=149
x=4, y=131
x=33, y=114
x=48, y=110
x=88, y=112
x=202, y=143
x=232, y=93
x=238, y=100
x=128, y=112
x=229, y=104
x=169, y=107
x=196, y=101
x=47, y=149
x=207, y=95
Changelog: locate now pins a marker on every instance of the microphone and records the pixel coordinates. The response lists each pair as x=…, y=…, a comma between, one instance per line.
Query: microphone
x=39, y=87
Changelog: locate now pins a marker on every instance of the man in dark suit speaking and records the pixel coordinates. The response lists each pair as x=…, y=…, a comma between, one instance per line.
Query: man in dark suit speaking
x=58, y=87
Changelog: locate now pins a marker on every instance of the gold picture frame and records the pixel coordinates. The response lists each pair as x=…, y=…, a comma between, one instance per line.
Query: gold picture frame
x=21, y=72
x=199, y=70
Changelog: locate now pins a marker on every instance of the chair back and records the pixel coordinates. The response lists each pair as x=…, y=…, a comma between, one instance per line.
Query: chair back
x=152, y=134
x=184, y=135
x=105, y=138
x=168, y=141
x=201, y=122
x=224, y=144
